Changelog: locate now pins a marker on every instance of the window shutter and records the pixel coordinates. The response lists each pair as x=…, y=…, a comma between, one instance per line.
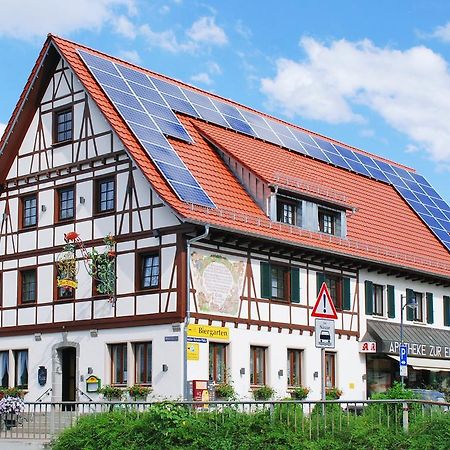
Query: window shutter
x=295, y=285
x=265, y=280
x=369, y=297
x=446, y=310
x=346, y=293
x=391, y=301
x=320, y=278
x=409, y=311
x=430, y=312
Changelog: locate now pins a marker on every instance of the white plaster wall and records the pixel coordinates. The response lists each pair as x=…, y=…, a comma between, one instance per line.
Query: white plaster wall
x=94, y=353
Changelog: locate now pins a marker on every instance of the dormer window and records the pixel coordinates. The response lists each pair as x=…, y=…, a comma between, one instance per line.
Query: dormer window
x=329, y=221
x=286, y=211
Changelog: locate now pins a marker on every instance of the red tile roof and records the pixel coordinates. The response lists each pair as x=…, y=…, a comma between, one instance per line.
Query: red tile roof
x=383, y=229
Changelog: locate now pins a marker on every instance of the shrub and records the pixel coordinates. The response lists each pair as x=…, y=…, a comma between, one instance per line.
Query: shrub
x=263, y=393
x=225, y=391
x=111, y=392
x=12, y=392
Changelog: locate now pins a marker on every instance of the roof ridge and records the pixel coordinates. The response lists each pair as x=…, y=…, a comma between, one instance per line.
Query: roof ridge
x=234, y=102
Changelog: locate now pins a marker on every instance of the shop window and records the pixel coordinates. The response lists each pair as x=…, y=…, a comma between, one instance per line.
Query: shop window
x=257, y=366
x=149, y=271
x=143, y=355
x=119, y=372
x=66, y=203
x=286, y=211
x=27, y=286
x=4, y=369
x=28, y=214
x=339, y=288
x=21, y=368
x=329, y=221
x=217, y=362
x=330, y=370
x=63, y=125
x=294, y=367
x=280, y=282
x=105, y=195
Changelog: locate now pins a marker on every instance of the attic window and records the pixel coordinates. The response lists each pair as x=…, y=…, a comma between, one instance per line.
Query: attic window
x=286, y=211
x=63, y=125
x=329, y=221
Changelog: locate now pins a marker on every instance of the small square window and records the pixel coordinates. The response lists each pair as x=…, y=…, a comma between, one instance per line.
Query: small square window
x=63, y=125
x=66, y=203
x=28, y=286
x=105, y=195
x=149, y=271
x=29, y=211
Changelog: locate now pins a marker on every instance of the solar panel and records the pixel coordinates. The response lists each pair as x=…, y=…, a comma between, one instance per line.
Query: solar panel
x=148, y=104
x=149, y=124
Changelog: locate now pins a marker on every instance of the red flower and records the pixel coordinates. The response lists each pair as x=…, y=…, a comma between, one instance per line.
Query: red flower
x=111, y=254
x=71, y=236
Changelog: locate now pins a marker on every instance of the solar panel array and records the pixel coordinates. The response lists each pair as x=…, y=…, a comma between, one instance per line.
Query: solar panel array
x=148, y=103
x=151, y=118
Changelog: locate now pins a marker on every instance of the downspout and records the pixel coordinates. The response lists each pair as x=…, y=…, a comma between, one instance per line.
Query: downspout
x=188, y=307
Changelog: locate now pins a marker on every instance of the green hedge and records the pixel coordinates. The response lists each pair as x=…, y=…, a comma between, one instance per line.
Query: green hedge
x=171, y=426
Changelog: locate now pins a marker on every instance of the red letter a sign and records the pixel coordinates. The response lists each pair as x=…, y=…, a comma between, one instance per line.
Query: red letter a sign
x=324, y=307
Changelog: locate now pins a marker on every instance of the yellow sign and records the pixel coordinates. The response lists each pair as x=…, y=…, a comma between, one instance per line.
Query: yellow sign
x=209, y=332
x=67, y=283
x=193, y=351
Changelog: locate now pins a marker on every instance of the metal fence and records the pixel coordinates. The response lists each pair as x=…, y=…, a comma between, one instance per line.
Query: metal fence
x=44, y=420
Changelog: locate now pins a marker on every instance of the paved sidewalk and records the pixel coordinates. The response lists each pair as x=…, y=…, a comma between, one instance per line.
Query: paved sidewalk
x=25, y=444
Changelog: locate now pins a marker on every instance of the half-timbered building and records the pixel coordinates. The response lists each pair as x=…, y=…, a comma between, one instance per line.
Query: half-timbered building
x=216, y=216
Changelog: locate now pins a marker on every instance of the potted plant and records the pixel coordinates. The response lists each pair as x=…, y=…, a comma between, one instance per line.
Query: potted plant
x=224, y=391
x=10, y=407
x=111, y=393
x=299, y=392
x=333, y=393
x=263, y=393
x=139, y=392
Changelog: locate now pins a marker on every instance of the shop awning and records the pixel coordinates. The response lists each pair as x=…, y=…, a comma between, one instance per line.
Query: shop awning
x=424, y=343
x=433, y=365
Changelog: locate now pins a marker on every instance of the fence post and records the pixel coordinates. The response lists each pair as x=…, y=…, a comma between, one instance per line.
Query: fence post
x=405, y=417
x=52, y=419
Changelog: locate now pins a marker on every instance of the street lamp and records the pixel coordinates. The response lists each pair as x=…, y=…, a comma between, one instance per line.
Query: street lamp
x=410, y=303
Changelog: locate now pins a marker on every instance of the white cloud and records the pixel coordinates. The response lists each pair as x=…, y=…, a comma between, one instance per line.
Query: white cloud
x=165, y=9
x=214, y=68
x=205, y=30
x=203, y=33
x=2, y=129
x=408, y=89
x=130, y=55
x=243, y=30
x=29, y=19
x=442, y=33
x=202, y=77
x=125, y=27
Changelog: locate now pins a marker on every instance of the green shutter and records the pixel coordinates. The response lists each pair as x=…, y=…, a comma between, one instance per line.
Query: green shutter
x=369, y=297
x=346, y=300
x=446, y=310
x=391, y=301
x=295, y=285
x=430, y=312
x=265, y=280
x=320, y=278
x=409, y=311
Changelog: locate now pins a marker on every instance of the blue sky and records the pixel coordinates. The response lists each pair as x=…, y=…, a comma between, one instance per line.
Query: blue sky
x=374, y=75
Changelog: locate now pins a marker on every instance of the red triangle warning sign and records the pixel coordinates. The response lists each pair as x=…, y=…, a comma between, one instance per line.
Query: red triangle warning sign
x=324, y=306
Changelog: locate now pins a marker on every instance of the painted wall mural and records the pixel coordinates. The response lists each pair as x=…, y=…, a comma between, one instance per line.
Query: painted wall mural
x=218, y=281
